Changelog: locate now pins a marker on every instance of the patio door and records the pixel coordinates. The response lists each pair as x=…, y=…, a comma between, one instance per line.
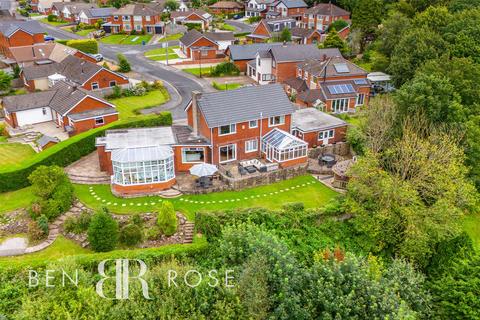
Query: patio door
x=269, y=153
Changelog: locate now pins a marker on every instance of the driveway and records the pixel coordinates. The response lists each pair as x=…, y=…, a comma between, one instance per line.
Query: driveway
x=179, y=85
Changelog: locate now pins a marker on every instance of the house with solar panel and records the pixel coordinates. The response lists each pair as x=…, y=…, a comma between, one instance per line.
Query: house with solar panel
x=333, y=84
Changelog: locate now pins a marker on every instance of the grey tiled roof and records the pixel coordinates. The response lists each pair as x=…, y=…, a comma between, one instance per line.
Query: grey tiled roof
x=327, y=9
x=294, y=3
x=190, y=37
x=27, y=101
x=249, y=51
x=140, y=9
x=98, y=12
x=311, y=119
x=220, y=36
x=327, y=67
x=93, y=113
x=30, y=26
x=44, y=140
x=244, y=104
x=287, y=53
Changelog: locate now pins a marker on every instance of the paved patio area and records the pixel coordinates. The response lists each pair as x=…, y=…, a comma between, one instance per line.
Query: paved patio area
x=87, y=171
x=47, y=128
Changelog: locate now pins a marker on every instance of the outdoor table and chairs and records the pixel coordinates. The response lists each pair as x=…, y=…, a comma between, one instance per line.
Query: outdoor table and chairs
x=327, y=160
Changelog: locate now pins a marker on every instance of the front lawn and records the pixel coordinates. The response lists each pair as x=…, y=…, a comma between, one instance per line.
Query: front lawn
x=304, y=189
x=159, y=54
x=196, y=71
x=11, y=154
x=227, y=27
x=54, y=23
x=126, y=39
x=13, y=200
x=171, y=37
x=228, y=86
x=84, y=32
x=130, y=106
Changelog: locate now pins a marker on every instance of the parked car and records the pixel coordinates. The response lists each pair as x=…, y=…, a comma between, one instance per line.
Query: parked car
x=97, y=56
x=49, y=38
x=237, y=16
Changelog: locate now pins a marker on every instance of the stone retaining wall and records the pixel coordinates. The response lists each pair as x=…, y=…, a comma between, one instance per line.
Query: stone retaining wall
x=339, y=148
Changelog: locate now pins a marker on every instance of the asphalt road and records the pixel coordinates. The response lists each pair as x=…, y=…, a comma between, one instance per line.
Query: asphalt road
x=179, y=84
x=241, y=26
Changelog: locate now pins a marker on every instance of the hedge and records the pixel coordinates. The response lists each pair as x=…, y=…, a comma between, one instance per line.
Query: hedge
x=71, y=150
x=85, y=45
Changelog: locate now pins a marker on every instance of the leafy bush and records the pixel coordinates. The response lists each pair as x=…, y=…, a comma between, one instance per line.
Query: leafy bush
x=196, y=26
x=167, y=219
x=338, y=25
x=42, y=222
x=254, y=19
x=103, y=232
x=225, y=69
x=85, y=45
x=356, y=139
x=152, y=233
x=71, y=150
x=131, y=235
x=51, y=18
x=137, y=220
x=77, y=224
x=123, y=64
x=35, y=233
x=45, y=180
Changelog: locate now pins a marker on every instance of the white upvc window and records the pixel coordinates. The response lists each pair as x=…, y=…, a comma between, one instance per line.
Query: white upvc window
x=227, y=153
x=138, y=27
x=115, y=18
x=276, y=27
x=274, y=63
x=227, y=129
x=147, y=18
x=360, y=99
x=126, y=18
x=99, y=121
x=193, y=155
x=253, y=124
x=327, y=134
x=137, y=18
x=276, y=121
x=251, y=145
x=95, y=86
x=112, y=83
x=340, y=105
x=127, y=27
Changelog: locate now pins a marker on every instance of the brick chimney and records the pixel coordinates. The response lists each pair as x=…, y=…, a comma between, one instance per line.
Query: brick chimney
x=196, y=95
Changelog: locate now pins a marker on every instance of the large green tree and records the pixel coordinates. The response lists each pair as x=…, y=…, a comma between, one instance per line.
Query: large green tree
x=366, y=17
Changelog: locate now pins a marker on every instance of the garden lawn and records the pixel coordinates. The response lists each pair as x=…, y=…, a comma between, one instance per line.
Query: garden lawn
x=304, y=189
x=11, y=154
x=129, y=106
x=471, y=225
x=84, y=32
x=228, y=86
x=54, y=23
x=126, y=39
x=159, y=54
x=228, y=27
x=13, y=200
x=196, y=71
x=60, y=248
x=171, y=37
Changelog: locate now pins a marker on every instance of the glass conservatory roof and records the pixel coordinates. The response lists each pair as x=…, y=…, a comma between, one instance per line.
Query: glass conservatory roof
x=282, y=140
x=142, y=154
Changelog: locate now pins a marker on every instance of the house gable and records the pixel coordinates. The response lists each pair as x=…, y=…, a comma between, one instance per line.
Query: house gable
x=262, y=29
x=103, y=78
x=88, y=103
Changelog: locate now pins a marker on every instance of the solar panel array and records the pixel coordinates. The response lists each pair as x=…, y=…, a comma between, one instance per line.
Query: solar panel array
x=341, y=67
x=360, y=81
x=341, y=88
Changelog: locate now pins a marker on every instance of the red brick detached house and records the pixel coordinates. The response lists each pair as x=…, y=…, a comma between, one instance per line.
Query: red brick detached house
x=306, y=36
x=85, y=74
x=269, y=28
x=138, y=17
x=287, y=8
x=321, y=16
x=72, y=108
x=208, y=45
x=193, y=16
x=70, y=11
x=15, y=33
x=318, y=128
x=334, y=84
x=247, y=123
x=90, y=16
x=227, y=7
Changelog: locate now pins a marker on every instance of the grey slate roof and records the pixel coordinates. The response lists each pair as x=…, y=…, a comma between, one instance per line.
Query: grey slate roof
x=44, y=140
x=249, y=51
x=30, y=26
x=294, y=3
x=311, y=119
x=220, y=36
x=327, y=9
x=27, y=101
x=190, y=37
x=93, y=113
x=98, y=12
x=139, y=9
x=327, y=67
x=244, y=104
x=301, y=52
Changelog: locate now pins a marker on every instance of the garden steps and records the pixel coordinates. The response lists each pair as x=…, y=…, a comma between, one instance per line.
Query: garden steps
x=169, y=193
x=189, y=229
x=81, y=179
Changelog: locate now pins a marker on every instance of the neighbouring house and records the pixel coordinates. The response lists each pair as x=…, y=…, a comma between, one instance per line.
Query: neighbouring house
x=267, y=29
x=286, y=8
x=240, y=55
x=247, y=123
x=318, y=128
x=333, y=84
x=227, y=7
x=138, y=17
x=279, y=63
x=208, y=45
x=45, y=142
x=45, y=53
x=196, y=16
x=87, y=75
x=16, y=33
x=45, y=6
x=257, y=8
x=156, y=154
x=70, y=11
x=69, y=106
x=307, y=36
x=321, y=16
x=90, y=16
